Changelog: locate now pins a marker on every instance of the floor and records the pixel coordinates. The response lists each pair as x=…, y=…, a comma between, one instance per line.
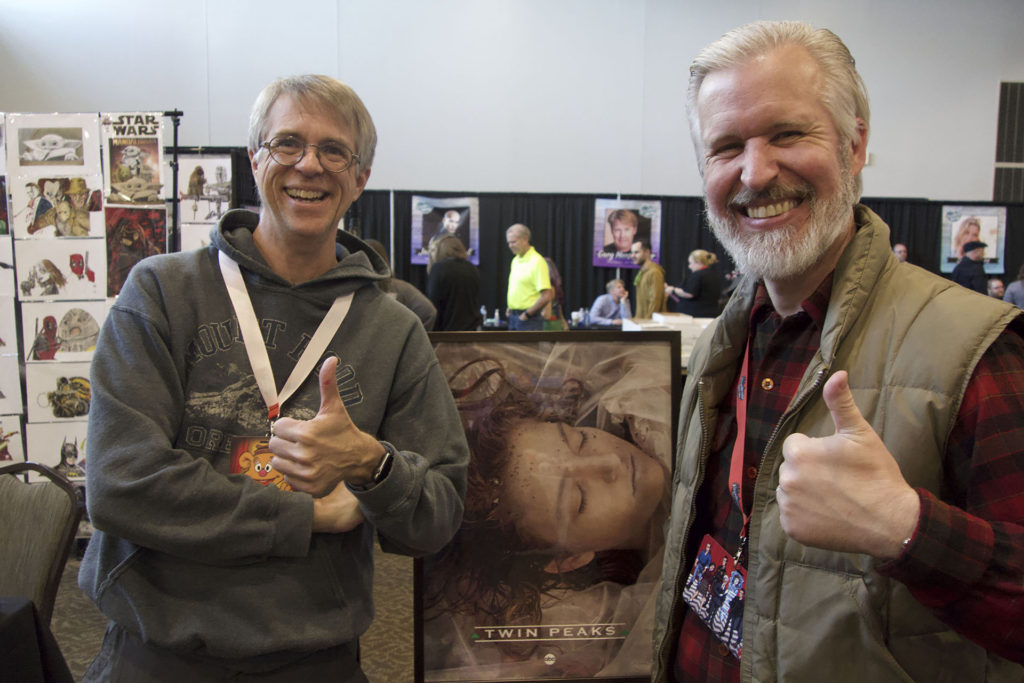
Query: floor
x=387, y=647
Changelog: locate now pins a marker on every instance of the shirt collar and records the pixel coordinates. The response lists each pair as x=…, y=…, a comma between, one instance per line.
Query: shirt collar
x=815, y=305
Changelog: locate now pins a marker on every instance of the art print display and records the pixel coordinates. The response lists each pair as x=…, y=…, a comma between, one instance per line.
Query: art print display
x=981, y=223
x=133, y=147
x=52, y=143
x=57, y=206
x=57, y=391
x=8, y=326
x=61, y=269
x=618, y=223
x=3, y=144
x=433, y=218
x=132, y=235
x=10, y=385
x=6, y=266
x=61, y=330
x=60, y=446
x=12, y=446
x=204, y=187
x=554, y=570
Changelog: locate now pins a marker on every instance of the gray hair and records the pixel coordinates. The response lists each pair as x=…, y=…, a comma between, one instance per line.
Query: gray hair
x=325, y=94
x=519, y=230
x=843, y=92
x=611, y=285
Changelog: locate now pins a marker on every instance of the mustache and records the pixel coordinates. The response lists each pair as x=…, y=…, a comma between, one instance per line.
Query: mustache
x=775, y=193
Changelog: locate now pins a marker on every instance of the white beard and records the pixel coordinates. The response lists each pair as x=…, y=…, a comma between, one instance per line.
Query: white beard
x=782, y=254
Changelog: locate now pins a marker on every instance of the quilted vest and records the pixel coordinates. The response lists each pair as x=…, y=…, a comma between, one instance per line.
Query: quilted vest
x=909, y=341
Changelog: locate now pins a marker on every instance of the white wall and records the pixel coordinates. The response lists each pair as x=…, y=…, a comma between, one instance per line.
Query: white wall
x=520, y=95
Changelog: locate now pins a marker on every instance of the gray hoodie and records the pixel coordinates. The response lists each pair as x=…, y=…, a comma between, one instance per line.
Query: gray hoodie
x=194, y=558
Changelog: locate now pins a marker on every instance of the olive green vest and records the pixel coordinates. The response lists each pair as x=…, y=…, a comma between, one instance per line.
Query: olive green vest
x=910, y=341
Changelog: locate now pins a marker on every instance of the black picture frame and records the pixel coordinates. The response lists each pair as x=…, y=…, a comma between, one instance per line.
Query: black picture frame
x=603, y=400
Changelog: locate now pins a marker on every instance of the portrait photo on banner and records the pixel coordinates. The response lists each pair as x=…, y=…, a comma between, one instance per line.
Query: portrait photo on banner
x=975, y=223
x=552, y=574
x=434, y=217
x=618, y=223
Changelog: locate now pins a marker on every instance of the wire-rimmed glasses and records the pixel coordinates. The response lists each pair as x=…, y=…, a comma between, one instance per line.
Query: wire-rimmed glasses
x=289, y=150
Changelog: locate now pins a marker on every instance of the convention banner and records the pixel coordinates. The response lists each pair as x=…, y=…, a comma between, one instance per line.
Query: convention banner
x=618, y=223
x=433, y=218
x=973, y=223
x=553, y=573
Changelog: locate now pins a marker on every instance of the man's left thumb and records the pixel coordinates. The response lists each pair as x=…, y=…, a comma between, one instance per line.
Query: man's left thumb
x=839, y=400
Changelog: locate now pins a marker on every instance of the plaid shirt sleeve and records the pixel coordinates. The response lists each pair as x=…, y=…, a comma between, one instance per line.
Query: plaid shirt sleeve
x=965, y=560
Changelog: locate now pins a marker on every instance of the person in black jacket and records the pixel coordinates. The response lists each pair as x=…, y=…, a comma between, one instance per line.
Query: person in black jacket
x=970, y=272
x=453, y=285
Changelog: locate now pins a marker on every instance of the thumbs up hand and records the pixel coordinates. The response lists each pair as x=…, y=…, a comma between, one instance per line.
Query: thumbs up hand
x=314, y=455
x=845, y=492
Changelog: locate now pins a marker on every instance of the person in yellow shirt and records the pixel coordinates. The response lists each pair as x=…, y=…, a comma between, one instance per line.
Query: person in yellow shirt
x=529, y=287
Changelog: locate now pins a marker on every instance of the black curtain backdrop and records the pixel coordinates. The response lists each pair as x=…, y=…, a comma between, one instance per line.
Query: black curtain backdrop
x=563, y=225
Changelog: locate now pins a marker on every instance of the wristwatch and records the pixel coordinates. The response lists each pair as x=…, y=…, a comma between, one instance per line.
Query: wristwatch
x=384, y=466
x=381, y=471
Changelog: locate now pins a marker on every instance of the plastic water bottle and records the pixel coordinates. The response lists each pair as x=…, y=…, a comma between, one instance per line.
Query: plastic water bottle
x=483, y=314
x=497, y=317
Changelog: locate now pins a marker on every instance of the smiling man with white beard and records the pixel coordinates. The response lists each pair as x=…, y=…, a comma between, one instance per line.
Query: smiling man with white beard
x=851, y=440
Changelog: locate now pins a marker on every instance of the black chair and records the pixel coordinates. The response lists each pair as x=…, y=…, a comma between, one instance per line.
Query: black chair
x=38, y=522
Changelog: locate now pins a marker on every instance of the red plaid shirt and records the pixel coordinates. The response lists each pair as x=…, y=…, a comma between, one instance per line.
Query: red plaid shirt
x=966, y=558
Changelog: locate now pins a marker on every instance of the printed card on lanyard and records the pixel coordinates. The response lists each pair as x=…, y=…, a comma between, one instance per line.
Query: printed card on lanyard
x=716, y=587
x=251, y=455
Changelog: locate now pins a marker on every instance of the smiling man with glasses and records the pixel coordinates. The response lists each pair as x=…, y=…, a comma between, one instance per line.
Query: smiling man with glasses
x=257, y=418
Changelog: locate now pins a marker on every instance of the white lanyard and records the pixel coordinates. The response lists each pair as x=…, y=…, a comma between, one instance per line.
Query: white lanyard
x=257, y=349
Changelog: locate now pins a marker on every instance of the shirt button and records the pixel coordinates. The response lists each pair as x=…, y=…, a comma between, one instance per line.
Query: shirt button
x=767, y=384
x=751, y=473
x=723, y=651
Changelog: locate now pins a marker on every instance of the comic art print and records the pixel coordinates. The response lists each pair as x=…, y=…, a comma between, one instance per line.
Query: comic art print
x=618, y=223
x=60, y=446
x=132, y=235
x=134, y=153
x=61, y=330
x=433, y=217
x=553, y=573
x=57, y=391
x=57, y=143
x=52, y=205
x=204, y=188
x=60, y=269
x=12, y=441
x=10, y=385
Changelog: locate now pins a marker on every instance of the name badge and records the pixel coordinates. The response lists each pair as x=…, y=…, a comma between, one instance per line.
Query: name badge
x=715, y=590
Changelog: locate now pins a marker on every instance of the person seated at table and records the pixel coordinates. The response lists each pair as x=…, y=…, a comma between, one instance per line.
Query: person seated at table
x=613, y=307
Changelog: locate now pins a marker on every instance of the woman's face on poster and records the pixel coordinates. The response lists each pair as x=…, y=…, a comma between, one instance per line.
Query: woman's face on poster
x=579, y=489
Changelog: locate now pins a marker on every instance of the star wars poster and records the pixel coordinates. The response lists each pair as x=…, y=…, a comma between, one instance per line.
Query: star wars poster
x=553, y=573
x=61, y=330
x=10, y=385
x=132, y=235
x=433, y=218
x=60, y=269
x=12, y=445
x=52, y=143
x=963, y=224
x=57, y=391
x=134, y=151
x=57, y=206
x=204, y=188
x=60, y=446
x=618, y=223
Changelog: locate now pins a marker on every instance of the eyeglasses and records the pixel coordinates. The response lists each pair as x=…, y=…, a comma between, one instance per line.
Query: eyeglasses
x=288, y=151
